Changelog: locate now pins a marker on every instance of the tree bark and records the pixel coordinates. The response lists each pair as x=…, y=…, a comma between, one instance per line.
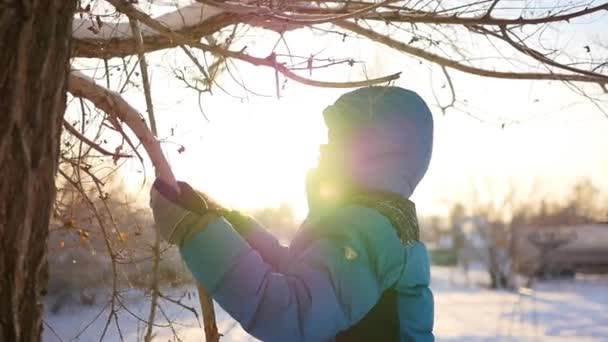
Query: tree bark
x=34, y=64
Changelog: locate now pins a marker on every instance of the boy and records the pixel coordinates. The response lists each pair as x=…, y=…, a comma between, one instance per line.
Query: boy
x=355, y=271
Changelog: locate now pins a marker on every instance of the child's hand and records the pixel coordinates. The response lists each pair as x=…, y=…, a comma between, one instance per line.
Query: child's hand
x=180, y=215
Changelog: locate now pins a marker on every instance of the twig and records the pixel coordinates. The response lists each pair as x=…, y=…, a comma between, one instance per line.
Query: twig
x=452, y=90
x=115, y=106
x=88, y=325
x=78, y=187
x=209, y=322
x=122, y=338
x=116, y=39
x=182, y=305
x=135, y=13
x=143, y=65
x=491, y=8
x=432, y=18
x=46, y=324
x=91, y=143
x=521, y=47
x=298, y=20
x=82, y=125
x=449, y=63
x=211, y=331
x=170, y=324
x=136, y=316
x=198, y=65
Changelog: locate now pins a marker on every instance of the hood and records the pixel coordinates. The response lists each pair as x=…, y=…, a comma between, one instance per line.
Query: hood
x=380, y=138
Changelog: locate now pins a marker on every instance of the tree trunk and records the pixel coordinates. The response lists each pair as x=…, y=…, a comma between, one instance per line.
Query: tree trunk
x=34, y=64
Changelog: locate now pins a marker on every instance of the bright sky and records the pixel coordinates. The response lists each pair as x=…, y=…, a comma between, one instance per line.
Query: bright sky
x=255, y=152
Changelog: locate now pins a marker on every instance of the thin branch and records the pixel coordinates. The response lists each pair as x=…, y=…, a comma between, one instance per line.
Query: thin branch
x=116, y=126
x=504, y=36
x=169, y=322
x=82, y=125
x=78, y=187
x=52, y=330
x=277, y=17
x=452, y=90
x=179, y=303
x=90, y=323
x=135, y=13
x=491, y=8
x=78, y=166
x=115, y=106
x=197, y=63
x=91, y=143
x=209, y=322
x=143, y=65
x=450, y=63
x=115, y=39
x=433, y=18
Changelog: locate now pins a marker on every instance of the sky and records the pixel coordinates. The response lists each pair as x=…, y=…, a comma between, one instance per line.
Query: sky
x=255, y=151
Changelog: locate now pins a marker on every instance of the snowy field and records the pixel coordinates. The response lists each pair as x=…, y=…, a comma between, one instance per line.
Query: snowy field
x=556, y=310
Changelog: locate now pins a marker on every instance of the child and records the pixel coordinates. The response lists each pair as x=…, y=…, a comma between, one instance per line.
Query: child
x=355, y=271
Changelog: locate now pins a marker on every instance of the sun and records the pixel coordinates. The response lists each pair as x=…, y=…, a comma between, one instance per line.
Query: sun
x=255, y=154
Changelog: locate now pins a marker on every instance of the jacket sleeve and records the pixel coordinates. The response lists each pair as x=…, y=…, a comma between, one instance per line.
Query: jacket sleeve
x=266, y=244
x=322, y=291
x=417, y=311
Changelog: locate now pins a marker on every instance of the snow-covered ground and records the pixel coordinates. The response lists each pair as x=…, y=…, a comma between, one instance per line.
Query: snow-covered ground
x=557, y=310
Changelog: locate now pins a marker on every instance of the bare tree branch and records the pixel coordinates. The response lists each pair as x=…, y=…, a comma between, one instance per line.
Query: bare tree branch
x=504, y=36
x=450, y=63
x=188, y=24
x=114, y=105
x=270, y=61
x=115, y=39
x=197, y=20
x=278, y=17
x=491, y=8
x=420, y=17
x=150, y=109
x=91, y=143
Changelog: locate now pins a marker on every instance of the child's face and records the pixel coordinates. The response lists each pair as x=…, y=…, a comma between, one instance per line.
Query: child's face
x=328, y=181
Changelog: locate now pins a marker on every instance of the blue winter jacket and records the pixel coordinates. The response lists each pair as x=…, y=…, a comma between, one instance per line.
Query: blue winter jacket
x=326, y=281
x=343, y=258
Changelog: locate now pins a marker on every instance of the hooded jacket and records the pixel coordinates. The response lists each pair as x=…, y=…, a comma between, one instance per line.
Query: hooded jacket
x=346, y=255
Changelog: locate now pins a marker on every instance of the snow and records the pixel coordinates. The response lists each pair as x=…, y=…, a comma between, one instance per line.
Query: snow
x=556, y=310
x=184, y=17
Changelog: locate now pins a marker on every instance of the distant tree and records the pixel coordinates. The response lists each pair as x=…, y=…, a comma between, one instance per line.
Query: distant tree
x=499, y=223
